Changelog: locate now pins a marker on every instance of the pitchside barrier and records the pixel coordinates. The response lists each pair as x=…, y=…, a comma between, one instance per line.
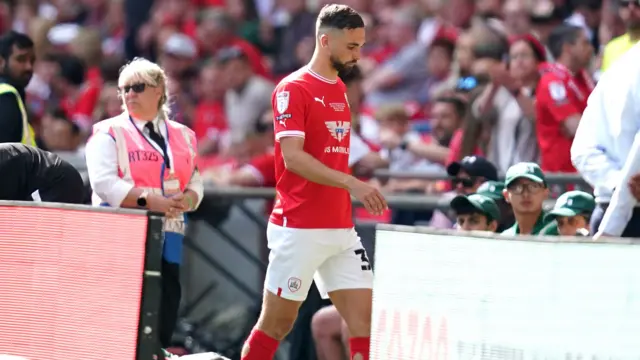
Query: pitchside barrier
x=78, y=282
x=442, y=295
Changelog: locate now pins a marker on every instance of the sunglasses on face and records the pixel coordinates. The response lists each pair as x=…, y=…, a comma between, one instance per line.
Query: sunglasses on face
x=465, y=182
x=137, y=88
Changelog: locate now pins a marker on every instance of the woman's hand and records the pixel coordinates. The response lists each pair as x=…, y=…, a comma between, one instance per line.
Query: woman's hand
x=171, y=207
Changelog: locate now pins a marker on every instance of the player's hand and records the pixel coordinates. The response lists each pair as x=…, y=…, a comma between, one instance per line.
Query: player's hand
x=370, y=197
x=634, y=186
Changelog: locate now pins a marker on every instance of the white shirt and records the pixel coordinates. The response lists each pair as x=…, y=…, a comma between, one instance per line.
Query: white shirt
x=102, y=166
x=357, y=150
x=622, y=202
x=405, y=160
x=608, y=126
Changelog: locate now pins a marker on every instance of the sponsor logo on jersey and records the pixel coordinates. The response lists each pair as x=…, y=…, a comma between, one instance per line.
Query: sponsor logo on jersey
x=338, y=129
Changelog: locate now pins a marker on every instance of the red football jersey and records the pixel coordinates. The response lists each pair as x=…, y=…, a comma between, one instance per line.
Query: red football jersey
x=559, y=95
x=310, y=106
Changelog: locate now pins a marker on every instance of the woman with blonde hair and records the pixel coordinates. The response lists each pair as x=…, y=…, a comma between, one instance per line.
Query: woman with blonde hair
x=142, y=159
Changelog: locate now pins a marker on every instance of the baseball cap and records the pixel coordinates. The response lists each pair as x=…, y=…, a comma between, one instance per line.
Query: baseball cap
x=476, y=202
x=491, y=189
x=527, y=170
x=572, y=203
x=179, y=44
x=474, y=166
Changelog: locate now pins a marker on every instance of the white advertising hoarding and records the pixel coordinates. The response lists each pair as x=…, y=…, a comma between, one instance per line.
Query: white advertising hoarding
x=442, y=296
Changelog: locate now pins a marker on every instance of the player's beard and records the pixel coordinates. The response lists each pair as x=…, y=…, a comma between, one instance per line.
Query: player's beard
x=340, y=67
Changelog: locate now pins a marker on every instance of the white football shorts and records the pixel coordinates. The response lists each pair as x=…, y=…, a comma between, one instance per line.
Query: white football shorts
x=334, y=258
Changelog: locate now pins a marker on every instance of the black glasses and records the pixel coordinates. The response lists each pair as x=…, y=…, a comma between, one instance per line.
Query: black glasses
x=520, y=189
x=137, y=88
x=465, y=182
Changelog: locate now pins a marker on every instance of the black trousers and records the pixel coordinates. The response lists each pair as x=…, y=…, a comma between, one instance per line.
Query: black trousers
x=170, y=301
x=632, y=230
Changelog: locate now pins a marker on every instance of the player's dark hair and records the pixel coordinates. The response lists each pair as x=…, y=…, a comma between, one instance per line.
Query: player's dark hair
x=459, y=106
x=341, y=17
x=11, y=38
x=352, y=75
x=561, y=36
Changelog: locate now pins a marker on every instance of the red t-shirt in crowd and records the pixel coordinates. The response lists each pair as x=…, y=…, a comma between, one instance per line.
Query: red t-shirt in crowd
x=559, y=95
x=80, y=109
x=312, y=107
x=209, y=120
x=455, y=148
x=263, y=168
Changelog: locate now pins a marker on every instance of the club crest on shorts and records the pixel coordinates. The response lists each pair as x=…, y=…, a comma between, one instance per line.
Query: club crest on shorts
x=294, y=284
x=282, y=101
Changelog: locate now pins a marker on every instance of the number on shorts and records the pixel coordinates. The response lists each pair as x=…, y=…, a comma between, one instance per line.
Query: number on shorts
x=366, y=264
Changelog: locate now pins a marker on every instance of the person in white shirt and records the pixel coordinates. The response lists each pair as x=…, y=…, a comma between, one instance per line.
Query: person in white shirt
x=604, y=142
x=142, y=159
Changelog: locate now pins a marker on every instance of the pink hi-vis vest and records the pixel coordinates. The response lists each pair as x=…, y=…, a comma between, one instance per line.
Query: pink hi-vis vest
x=142, y=165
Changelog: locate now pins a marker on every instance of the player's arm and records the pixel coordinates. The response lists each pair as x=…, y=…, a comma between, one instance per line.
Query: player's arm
x=290, y=107
x=554, y=95
x=290, y=110
x=300, y=162
x=622, y=202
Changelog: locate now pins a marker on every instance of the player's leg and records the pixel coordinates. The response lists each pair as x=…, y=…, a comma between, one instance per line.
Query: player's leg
x=348, y=279
x=326, y=327
x=293, y=260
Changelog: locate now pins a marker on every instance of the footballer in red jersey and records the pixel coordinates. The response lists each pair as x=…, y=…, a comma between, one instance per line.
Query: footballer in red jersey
x=310, y=233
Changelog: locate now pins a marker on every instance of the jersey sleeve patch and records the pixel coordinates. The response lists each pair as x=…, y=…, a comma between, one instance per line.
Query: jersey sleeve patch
x=282, y=101
x=557, y=91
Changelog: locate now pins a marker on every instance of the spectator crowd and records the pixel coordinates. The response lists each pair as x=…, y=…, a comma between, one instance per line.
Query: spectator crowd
x=438, y=82
x=487, y=94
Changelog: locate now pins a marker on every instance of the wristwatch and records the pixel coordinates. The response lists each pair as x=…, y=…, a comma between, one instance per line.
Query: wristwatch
x=142, y=199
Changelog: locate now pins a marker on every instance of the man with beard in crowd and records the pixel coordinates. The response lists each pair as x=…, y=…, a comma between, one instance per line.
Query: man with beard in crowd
x=17, y=57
